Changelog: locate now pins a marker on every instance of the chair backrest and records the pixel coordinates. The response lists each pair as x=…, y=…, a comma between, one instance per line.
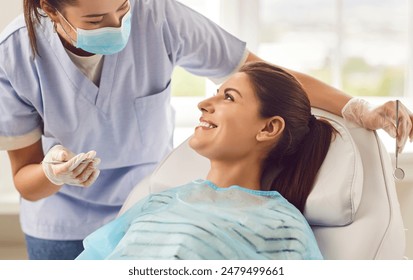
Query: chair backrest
x=353, y=208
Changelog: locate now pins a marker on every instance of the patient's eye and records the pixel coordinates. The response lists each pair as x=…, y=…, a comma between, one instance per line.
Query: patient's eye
x=228, y=96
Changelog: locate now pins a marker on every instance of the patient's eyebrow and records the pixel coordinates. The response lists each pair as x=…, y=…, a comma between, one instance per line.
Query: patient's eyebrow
x=233, y=89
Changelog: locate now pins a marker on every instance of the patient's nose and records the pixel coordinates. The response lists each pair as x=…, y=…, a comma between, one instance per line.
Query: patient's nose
x=206, y=105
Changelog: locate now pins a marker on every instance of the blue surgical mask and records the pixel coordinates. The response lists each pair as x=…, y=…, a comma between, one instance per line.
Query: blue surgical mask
x=106, y=40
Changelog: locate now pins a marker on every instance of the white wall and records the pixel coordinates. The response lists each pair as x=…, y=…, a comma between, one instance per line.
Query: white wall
x=9, y=10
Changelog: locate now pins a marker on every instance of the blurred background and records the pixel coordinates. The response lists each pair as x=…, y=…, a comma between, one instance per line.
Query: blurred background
x=364, y=47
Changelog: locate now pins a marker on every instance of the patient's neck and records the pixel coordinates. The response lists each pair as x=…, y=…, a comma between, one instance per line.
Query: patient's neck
x=242, y=173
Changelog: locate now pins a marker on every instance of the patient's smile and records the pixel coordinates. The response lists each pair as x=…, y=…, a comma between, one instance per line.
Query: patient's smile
x=206, y=124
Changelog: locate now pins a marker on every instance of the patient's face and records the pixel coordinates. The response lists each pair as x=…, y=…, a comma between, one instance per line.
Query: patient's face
x=230, y=121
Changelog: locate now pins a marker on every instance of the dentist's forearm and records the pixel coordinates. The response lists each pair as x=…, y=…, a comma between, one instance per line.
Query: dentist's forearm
x=322, y=95
x=32, y=183
x=28, y=175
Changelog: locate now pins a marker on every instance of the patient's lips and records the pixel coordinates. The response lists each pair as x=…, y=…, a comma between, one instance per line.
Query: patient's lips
x=206, y=124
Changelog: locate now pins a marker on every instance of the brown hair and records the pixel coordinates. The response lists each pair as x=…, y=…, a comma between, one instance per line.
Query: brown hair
x=292, y=165
x=32, y=16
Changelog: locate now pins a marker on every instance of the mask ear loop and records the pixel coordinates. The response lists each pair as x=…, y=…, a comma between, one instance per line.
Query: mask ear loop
x=54, y=26
x=67, y=34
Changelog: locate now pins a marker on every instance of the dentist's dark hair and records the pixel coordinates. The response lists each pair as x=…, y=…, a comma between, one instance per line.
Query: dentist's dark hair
x=33, y=13
x=292, y=165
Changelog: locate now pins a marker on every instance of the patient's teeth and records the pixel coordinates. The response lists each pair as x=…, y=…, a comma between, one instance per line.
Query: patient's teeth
x=205, y=124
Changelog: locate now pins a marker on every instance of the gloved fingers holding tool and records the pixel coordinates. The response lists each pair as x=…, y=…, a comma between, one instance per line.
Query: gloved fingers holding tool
x=370, y=117
x=61, y=166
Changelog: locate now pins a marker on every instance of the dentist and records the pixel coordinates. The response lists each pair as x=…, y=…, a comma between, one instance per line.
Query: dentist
x=85, y=105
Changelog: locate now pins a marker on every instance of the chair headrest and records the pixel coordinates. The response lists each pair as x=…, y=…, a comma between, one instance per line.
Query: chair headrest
x=338, y=188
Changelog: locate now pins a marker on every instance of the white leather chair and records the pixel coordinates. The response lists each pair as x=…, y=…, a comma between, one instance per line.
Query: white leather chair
x=353, y=208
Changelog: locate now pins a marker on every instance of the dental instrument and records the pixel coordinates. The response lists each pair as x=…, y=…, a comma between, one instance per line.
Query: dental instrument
x=398, y=173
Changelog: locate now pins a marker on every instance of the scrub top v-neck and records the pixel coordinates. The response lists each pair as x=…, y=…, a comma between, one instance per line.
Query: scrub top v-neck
x=84, y=85
x=90, y=66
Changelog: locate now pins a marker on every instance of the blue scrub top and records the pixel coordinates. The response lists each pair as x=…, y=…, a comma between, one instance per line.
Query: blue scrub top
x=128, y=119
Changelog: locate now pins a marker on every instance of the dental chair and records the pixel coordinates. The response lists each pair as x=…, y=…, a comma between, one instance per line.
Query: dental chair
x=353, y=208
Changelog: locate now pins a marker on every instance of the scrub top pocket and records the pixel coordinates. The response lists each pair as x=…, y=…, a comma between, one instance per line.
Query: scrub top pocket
x=156, y=119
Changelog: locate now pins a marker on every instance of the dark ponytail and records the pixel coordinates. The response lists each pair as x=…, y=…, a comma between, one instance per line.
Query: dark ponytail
x=299, y=170
x=32, y=15
x=292, y=166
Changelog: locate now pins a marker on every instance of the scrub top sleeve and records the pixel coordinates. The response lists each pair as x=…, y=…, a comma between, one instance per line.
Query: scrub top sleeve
x=199, y=45
x=20, y=124
x=221, y=80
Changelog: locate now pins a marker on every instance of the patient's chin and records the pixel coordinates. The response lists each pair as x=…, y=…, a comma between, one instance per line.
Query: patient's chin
x=198, y=146
x=193, y=142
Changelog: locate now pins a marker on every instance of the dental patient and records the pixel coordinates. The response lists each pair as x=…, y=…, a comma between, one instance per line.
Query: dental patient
x=265, y=149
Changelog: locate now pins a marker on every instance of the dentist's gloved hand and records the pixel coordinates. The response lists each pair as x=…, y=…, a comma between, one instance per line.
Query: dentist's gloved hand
x=364, y=114
x=61, y=166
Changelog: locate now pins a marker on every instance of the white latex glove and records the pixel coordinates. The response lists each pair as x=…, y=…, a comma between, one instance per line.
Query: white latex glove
x=364, y=114
x=61, y=166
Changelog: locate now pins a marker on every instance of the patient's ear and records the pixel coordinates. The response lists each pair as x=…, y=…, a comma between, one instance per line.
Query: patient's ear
x=272, y=130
